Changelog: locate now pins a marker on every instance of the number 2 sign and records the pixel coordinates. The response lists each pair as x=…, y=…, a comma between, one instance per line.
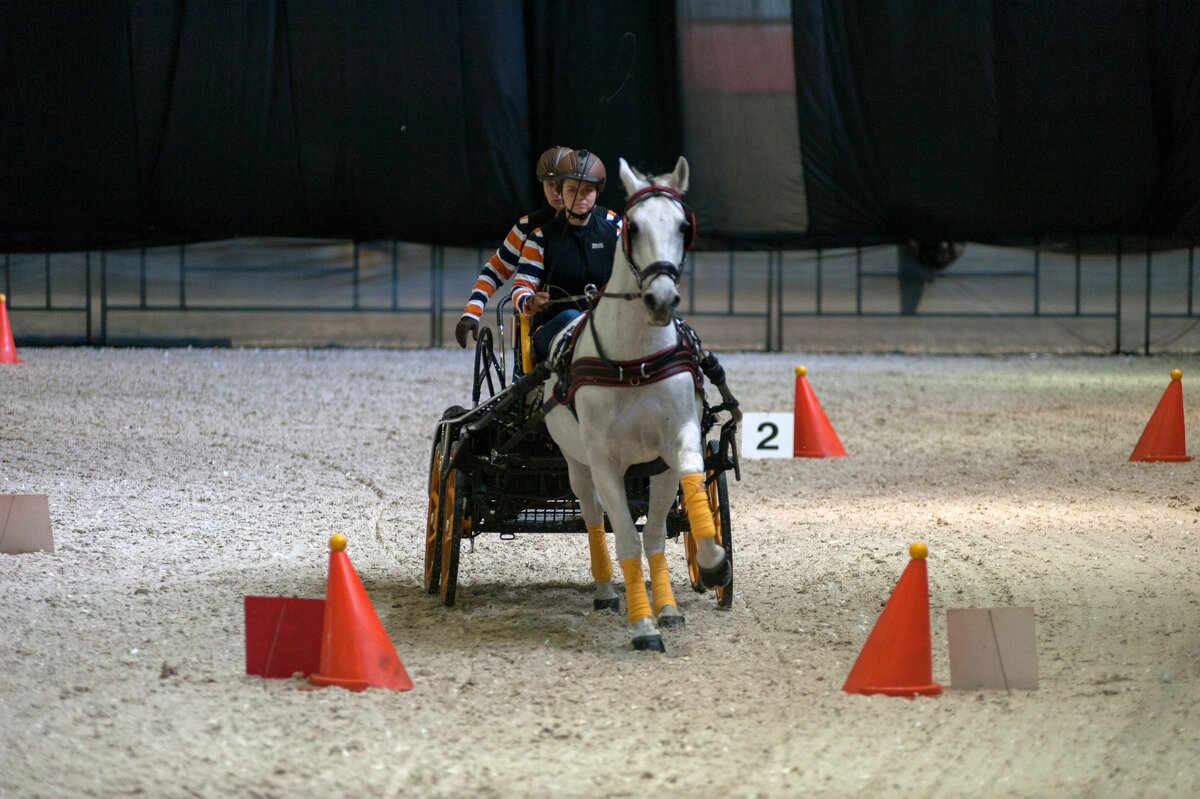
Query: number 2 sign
x=767, y=435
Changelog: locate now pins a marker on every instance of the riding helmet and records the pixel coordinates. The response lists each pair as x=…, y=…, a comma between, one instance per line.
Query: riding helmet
x=584, y=166
x=550, y=164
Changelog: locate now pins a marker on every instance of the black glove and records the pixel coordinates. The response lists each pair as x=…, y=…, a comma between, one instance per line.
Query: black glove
x=460, y=330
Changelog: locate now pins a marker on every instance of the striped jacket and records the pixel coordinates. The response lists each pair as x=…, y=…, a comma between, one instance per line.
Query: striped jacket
x=503, y=264
x=530, y=267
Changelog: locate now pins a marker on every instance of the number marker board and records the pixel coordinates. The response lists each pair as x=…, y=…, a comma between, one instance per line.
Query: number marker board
x=767, y=435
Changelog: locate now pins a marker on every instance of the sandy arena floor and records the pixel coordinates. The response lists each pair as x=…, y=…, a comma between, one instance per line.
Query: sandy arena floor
x=182, y=480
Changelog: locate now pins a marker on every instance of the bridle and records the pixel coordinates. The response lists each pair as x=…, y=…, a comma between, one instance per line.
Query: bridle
x=643, y=275
x=689, y=228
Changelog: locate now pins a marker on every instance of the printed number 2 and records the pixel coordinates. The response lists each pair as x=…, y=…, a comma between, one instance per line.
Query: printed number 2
x=772, y=432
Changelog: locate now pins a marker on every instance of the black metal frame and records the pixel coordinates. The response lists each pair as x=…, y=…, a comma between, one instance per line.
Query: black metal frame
x=100, y=302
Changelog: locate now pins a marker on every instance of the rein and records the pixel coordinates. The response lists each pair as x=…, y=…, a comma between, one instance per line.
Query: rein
x=593, y=295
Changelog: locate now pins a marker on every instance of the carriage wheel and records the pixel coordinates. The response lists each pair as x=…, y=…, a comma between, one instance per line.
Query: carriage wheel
x=434, y=514
x=455, y=524
x=433, y=519
x=718, y=503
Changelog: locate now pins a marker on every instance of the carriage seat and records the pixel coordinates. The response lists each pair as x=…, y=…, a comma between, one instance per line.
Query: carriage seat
x=523, y=342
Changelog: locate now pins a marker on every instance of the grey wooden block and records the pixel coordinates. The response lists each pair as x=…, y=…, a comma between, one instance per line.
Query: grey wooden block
x=992, y=648
x=25, y=524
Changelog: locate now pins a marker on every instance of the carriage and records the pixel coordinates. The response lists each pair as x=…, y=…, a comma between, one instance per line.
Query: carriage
x=494, y=469
x=614, y=437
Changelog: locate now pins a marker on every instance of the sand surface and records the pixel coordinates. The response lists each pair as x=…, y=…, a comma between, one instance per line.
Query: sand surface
x=180, y=481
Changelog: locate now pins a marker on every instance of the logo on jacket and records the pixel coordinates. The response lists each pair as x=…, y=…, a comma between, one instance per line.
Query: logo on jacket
x=597, y=245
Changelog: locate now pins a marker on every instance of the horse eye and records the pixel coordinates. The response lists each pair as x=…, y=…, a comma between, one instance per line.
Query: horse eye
x=631, y=226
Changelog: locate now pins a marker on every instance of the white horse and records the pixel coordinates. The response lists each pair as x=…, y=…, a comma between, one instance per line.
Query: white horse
x=616, y=427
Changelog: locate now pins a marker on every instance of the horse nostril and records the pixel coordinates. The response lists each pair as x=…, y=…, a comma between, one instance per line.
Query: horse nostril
x=675, y=302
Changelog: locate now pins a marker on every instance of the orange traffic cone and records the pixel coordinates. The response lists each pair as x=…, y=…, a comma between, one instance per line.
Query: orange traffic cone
x=813, y=435
x=1162, y=440
x=896, y=658
x=8, y=350
x=356, y=652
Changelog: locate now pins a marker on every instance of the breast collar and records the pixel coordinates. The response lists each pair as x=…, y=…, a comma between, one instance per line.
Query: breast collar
x=576, y=373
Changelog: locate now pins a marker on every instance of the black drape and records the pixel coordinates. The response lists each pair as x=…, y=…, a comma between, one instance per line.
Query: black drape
x=580, y=55
x=144, y=122
x=141, y=122
x=956, y=120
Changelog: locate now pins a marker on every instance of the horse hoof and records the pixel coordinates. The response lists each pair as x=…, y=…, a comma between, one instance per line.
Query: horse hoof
x=671, y=620
x=649, y=643
x=612, y=603
x=717, y=577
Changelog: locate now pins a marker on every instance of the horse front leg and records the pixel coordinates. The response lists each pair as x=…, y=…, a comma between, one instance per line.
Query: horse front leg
x=710, y=556
x=580, y=475
x=654, y=539
x=610, y=484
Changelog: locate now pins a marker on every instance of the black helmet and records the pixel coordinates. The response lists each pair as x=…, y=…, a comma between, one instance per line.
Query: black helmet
x=584, y=166
x=551, y=163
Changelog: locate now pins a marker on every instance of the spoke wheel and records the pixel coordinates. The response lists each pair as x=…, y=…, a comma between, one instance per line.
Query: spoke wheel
x=455, y=524
x=433, y=520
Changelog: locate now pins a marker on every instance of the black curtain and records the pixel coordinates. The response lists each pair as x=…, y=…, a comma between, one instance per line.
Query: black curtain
x=581, y=53
x=953, y=120
x=146, y=122
x=142, y=122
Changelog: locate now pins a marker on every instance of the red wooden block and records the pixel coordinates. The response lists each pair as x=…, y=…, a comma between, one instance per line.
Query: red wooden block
x=283, y=635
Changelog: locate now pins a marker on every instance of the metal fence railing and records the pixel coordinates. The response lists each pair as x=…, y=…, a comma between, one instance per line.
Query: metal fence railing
x=272, y=292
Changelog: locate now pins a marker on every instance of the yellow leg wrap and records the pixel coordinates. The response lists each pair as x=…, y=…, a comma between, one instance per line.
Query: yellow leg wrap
x=636, y=601
x=695, y=502
x=602, y=570
x=660, y=582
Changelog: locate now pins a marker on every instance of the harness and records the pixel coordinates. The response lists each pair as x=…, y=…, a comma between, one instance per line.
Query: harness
x=575, y=373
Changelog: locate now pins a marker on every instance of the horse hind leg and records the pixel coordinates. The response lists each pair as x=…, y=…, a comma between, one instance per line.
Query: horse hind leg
x=665, y=607
x=602, y=571
x=710, y=556
x=654, y=537
x=605, y=596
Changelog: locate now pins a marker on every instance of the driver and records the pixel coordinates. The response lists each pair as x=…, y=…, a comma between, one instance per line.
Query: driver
x=568, y=253
x=503, y=263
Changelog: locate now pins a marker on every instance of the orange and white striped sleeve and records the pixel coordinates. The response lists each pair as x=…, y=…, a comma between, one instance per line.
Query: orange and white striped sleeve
x=529, y=271
x=498, y=269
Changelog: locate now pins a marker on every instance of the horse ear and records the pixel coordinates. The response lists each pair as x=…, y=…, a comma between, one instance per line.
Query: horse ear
x=632, y=181
x=679, y=178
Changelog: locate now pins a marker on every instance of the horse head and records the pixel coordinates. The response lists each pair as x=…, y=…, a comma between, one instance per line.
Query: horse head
x=659, y=228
